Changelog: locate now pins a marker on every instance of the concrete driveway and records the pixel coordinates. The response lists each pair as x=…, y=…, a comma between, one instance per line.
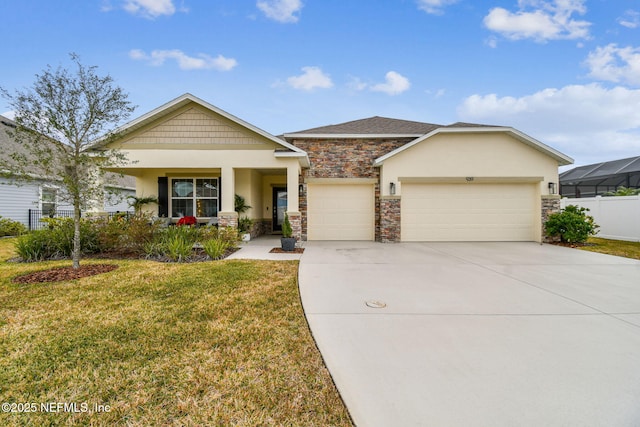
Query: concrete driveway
x=476, y=334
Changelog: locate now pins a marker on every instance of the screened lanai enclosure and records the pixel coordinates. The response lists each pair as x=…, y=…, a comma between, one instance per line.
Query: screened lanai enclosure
x=600, y=178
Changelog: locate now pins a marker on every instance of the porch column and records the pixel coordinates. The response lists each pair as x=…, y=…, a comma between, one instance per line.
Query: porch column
x=293, y=208
x=228, y=217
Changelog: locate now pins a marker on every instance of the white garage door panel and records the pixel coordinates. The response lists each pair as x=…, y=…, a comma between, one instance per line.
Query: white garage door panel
x=473, y=212
x=340, y=212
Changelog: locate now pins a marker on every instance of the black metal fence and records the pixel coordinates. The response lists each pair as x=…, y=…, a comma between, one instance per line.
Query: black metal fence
x=36, y=216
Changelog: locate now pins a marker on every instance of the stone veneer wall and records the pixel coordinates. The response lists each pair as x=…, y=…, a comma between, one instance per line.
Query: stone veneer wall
x=344, y=158
x=260, y=227
x=390, y=219
x=550, y=205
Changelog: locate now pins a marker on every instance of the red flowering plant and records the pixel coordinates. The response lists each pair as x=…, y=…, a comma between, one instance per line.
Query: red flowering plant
x=187, y=220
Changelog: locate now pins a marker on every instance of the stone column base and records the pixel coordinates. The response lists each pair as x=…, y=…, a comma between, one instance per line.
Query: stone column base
x=550, y=205
x=295, y=218
x=228, y=219
x=390, y=219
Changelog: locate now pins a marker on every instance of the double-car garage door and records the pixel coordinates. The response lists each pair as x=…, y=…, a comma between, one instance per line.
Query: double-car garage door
x=468, y=212
x=429, y=212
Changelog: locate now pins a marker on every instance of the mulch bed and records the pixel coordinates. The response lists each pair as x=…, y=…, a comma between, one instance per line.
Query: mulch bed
x=59, y=274
x=281, y=251
x=64, y=273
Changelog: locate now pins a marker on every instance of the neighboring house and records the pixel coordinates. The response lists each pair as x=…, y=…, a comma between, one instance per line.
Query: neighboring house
x=28, y=201
x=600, y=178
x=374, y=179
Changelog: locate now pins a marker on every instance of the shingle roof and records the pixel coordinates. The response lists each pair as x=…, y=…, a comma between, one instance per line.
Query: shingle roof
x=470, y=125
x=8, y=144
x=373, y=126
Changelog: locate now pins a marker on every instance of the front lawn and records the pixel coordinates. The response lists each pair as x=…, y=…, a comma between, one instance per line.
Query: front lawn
x=211, y=343
x=613, y=247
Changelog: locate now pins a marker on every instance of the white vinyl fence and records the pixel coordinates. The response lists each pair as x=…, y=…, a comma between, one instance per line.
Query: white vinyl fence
x=618, y=217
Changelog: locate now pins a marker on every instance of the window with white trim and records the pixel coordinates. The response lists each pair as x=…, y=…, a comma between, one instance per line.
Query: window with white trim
x=48, y=200
x=194, y=197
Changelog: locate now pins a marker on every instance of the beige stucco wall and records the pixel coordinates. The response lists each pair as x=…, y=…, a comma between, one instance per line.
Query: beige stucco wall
x=249, y=186
x=204, y=159
x=478, y=155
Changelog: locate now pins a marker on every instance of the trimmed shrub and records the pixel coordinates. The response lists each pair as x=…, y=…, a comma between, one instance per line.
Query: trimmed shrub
x=36, y=246
x=215, y=248
x=178, y=248
x=287, y=231
x=572, y=225
x=176, y=243
x=230, y=235
x=126, y=234
x=9, y=227
x=61, y=235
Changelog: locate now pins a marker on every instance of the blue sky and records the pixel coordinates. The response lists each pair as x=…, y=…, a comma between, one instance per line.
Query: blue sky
x=566, y=72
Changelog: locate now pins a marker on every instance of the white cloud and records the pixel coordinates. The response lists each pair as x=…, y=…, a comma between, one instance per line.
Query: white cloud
x=540, y=20
x=280, y=10
x=200, y=62
x=492, y=42
x=615, y=64
x=437, y=94
x=149, y=8
x=312, y=78
x=355, y=83
x=630, y=19
x=434, y=7
x=394, y=84
x=588, y=122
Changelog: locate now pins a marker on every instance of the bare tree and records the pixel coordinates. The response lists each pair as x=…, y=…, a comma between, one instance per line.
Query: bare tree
x=57, y=120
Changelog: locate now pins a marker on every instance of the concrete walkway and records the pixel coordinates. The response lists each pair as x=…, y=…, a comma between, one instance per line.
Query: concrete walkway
x=259, y=248
x=476, y=334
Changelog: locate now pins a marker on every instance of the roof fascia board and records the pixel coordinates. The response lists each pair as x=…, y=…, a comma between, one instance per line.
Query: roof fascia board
x=561, y=158
x=183, y=100
x=350, y=135
x=302, y=157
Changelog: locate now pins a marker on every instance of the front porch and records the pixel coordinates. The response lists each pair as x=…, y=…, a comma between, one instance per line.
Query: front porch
x=195, y=157
x=210, y=196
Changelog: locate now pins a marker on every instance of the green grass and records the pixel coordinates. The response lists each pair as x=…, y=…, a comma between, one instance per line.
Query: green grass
x=613, y=247
x=214, y=343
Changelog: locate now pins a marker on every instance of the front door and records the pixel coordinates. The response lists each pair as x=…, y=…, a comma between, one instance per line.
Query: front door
x=279, y=207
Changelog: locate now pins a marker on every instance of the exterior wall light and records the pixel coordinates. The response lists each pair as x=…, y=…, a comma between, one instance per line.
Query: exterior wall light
x=392, y=188
x=301, y=190
x=552, y=188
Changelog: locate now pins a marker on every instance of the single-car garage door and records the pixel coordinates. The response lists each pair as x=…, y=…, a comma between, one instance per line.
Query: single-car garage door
x=468, y=212
x=340, y=212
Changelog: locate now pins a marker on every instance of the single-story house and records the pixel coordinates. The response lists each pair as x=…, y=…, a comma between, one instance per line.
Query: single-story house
x=373, y=179
x=42, y=196
x=600, y=178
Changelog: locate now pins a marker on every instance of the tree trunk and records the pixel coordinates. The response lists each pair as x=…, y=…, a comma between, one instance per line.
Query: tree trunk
x=76, y=234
